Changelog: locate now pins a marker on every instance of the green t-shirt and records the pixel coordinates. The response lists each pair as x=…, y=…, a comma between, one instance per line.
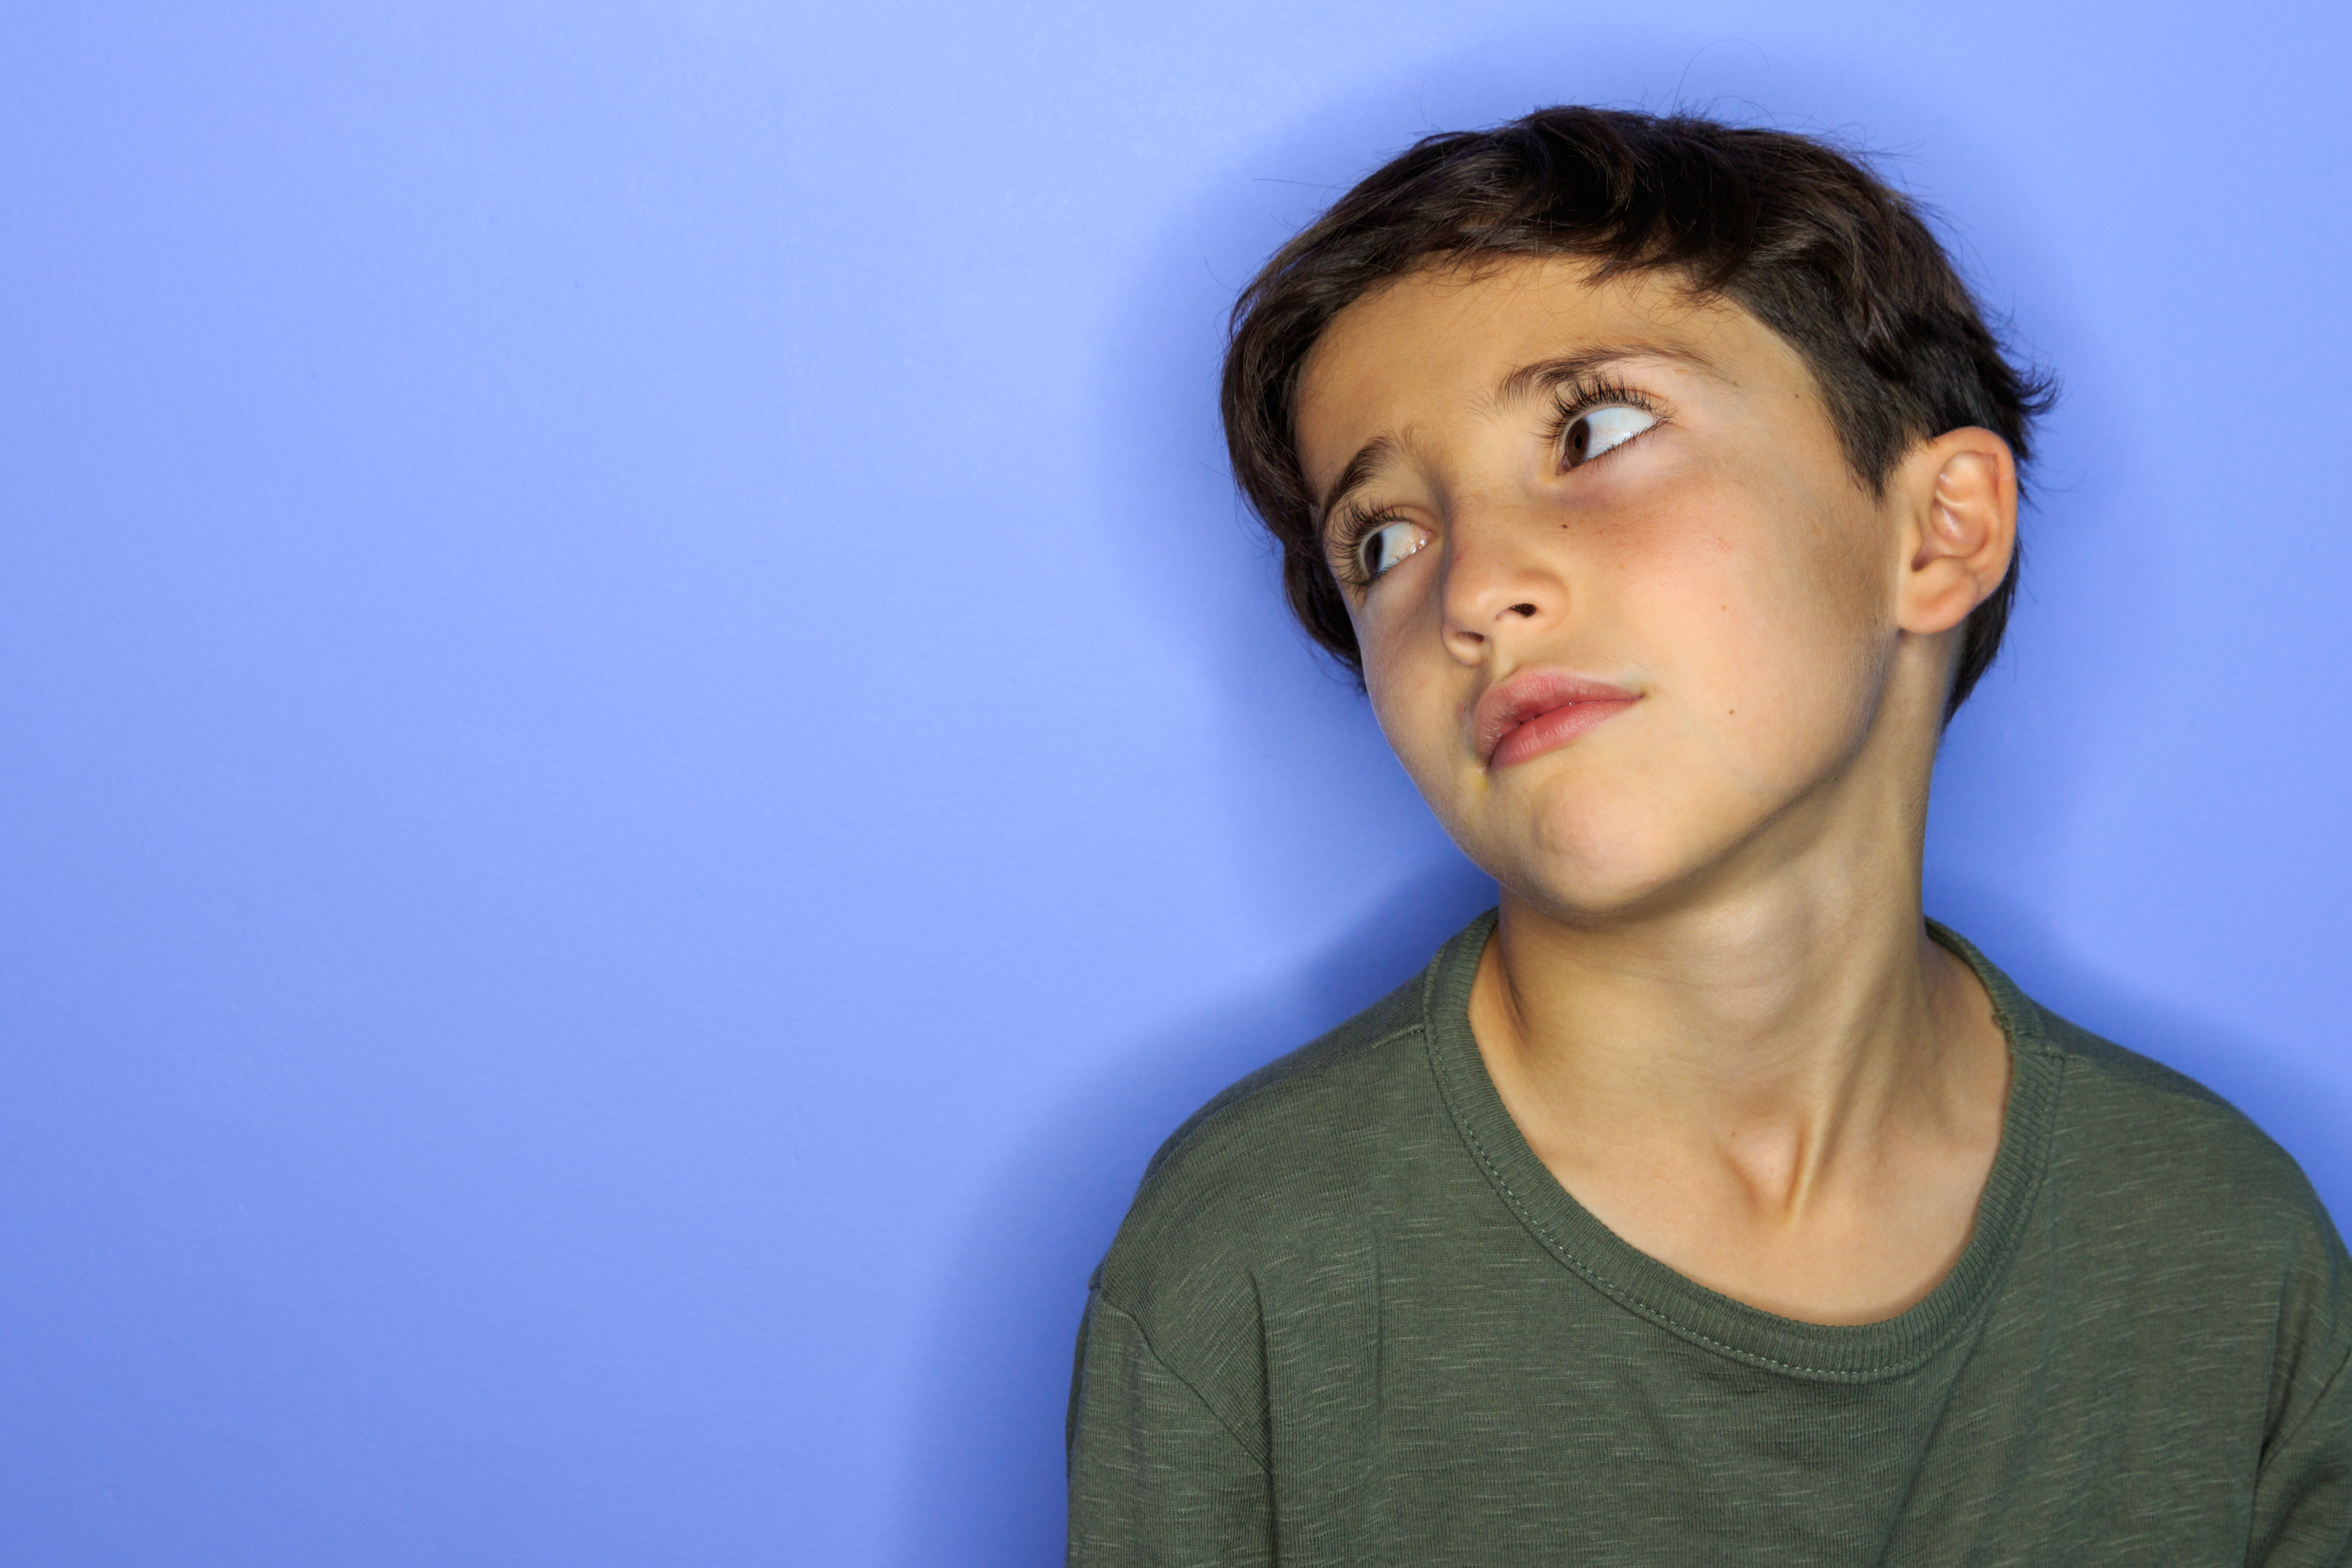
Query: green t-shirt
x=1352, y=1320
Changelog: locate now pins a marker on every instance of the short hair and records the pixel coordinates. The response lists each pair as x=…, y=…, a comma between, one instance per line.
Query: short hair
x=1800, y=234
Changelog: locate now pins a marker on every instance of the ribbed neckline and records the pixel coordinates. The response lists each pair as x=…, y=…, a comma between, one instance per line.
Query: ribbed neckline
x=1830, y=1353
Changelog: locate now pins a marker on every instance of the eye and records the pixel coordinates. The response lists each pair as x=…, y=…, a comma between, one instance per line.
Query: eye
x=1386, y=545
x=1598, y=430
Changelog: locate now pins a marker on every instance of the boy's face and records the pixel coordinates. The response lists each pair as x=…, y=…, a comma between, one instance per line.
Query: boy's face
x=1627, y=614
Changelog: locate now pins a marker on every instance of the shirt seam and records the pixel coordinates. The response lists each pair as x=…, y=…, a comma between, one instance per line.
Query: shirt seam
x=1560, y=1249
x=1249, y=1451
x=2188, y=1090
x=1235, y=1104
x=1634, y=1301
x=2318, y=1402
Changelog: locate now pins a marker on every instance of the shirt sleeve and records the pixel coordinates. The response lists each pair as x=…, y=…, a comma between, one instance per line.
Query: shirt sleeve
x=2303, y=1500
x=1157, y=1481
x=2303, y=1493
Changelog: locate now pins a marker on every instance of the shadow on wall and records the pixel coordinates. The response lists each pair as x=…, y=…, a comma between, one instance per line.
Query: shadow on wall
x=984, y=1470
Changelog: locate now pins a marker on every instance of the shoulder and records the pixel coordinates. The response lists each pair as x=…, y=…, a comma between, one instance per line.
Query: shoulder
x=1278, y=1152
x=1271, y=1189
x=1250, y=1122
x=2147, y=1123
x=2152, y=1158
x=2171, y=1183
x=2140, y=1142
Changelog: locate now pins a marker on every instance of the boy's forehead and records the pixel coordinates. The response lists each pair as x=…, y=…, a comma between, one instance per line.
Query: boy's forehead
x=1457, y=335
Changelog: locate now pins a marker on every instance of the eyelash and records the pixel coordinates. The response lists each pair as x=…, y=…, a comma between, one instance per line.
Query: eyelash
x=1570, y=403
x=1356, y=524
x=1581, y=397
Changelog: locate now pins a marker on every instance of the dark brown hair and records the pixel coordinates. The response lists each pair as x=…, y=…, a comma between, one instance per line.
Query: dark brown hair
x=1796, y=233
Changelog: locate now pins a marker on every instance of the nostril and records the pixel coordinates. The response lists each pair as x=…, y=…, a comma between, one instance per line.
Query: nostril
x=1523, y=610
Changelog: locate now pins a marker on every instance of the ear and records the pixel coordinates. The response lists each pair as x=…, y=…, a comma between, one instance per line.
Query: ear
x=1959, y=521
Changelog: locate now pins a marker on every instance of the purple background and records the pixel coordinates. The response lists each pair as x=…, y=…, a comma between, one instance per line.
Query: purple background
x=643, y=755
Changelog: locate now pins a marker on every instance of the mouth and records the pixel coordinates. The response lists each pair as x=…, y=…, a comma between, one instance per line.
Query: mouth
x=1540, y=711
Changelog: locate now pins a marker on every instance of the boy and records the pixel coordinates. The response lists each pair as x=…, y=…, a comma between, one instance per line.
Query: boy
x=1704, y=1203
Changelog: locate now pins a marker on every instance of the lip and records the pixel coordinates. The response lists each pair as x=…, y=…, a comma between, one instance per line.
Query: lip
x=1539, y=711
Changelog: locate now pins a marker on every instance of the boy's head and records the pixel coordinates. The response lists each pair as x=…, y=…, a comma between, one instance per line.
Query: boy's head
x=1686, y=436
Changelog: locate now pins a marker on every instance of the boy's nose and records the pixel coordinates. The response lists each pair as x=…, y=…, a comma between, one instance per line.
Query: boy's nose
x=1496, y=586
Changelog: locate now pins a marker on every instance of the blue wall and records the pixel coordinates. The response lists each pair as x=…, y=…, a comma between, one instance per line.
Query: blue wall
x=643, y=755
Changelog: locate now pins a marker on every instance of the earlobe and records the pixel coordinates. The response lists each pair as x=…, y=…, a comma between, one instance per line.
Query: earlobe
x=1963, y=529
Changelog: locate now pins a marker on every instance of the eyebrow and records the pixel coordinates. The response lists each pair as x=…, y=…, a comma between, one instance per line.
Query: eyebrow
x=1528, y=381
x=1372, y=456
x=1546, y=374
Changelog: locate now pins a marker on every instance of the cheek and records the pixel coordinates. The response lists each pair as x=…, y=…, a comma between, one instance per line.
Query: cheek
x=1410, y=707
x=1413, y=698
x=1762, y=628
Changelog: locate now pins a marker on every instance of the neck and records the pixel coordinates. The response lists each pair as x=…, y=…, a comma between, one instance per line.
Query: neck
x=1782, y=1021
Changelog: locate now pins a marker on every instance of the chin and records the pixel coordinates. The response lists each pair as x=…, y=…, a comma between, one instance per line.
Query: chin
x=1597, y=868
x=1589, y=897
